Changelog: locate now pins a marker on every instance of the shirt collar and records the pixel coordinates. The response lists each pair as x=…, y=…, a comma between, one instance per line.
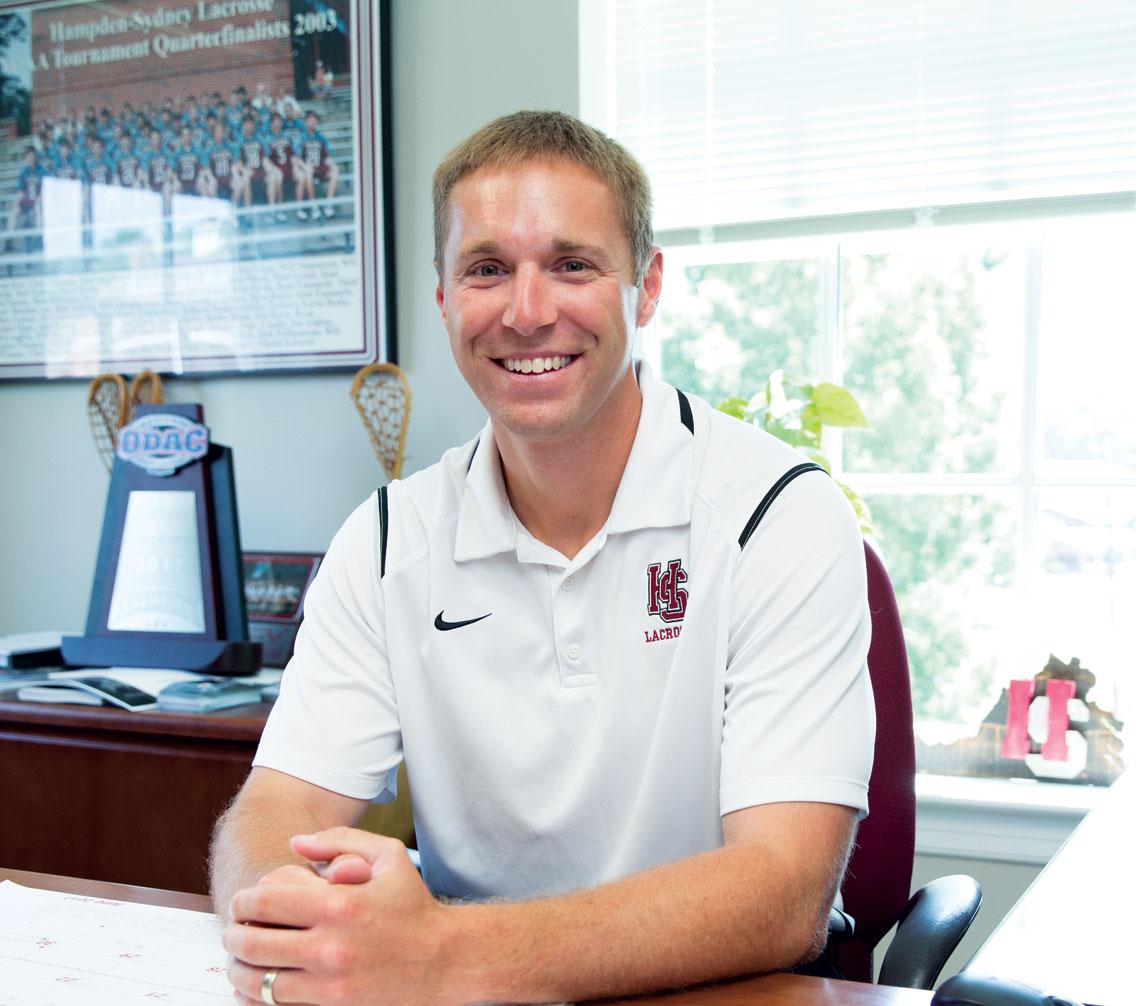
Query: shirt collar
x=655, y=490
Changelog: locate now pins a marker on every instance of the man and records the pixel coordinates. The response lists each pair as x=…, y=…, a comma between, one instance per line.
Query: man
x=257, y=176
x=128, y=164
x=27, y=207
x=624, y=697
x=157, y=168
x=318, y=164
x=189, y=168
x=220, y=156
x=67, y=164
x=284, y=155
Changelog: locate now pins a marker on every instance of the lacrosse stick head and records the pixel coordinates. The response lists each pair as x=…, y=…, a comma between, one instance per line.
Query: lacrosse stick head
x=382, y=396
x=106, y=412
x=145, y=389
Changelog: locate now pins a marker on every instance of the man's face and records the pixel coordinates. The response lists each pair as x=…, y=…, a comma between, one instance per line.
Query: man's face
x=311, y=122
x=539, y=299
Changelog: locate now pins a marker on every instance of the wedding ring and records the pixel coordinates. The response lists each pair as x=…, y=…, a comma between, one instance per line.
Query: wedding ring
x=266, y=984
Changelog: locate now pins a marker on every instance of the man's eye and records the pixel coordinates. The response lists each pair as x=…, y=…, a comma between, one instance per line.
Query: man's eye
x=575, y=265
x=486, y=269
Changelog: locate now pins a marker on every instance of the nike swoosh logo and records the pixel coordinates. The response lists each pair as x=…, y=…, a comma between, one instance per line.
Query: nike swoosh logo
x=441, y=623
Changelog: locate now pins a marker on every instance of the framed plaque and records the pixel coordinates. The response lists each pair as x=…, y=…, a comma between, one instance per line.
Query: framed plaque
x=194, y=186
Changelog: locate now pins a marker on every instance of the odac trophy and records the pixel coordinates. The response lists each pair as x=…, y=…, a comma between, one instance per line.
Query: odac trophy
x=169, y=581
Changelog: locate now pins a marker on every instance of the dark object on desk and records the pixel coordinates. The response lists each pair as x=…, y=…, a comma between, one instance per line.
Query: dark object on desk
x=168, y=588
x=878, y=879
x=970, y=990
x=28, y=650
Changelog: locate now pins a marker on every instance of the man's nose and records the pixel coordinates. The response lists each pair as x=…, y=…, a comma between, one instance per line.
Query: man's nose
x=531, y=304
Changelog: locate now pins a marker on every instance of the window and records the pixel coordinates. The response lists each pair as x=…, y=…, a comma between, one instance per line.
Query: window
x=949, y=235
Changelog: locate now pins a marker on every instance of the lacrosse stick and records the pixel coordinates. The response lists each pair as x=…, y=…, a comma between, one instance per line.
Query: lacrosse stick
x=106, y=412
x=382, y=396
x=145, y=389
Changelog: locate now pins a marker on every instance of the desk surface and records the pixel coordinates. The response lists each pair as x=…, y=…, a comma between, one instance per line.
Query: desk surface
x=1070, y=934
x=766, y=990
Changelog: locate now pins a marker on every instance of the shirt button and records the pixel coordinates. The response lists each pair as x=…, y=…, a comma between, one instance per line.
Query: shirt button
x=573, y=651
x=568, y=584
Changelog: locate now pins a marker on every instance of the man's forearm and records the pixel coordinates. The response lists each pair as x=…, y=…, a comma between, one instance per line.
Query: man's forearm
x=741, y=909
x=251, y=837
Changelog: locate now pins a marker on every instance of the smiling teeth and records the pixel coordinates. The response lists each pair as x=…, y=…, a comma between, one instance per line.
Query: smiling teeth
x=537, y=366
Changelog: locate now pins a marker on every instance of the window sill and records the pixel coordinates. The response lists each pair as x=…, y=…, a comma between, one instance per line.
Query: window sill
x=1005, y=820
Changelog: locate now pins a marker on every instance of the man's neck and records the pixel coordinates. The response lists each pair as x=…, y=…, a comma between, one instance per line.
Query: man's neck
x=563, y=491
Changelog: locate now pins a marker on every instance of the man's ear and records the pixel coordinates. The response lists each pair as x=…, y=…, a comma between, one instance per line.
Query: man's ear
x=650, y=288
x=439, y=296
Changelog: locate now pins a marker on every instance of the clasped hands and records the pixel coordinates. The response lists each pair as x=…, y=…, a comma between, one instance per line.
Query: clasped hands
x=357, y=926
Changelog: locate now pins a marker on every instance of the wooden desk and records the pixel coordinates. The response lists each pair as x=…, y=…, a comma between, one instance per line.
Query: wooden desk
x=766, y=990
x=130, y=797
x=1071, y=932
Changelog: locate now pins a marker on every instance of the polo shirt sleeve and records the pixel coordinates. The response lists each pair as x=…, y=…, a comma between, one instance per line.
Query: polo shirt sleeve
x=799, y=716
x=336, y=721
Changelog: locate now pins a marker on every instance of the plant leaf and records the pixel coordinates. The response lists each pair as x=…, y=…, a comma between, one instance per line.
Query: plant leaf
x=819, y=459
x=837, y=406
x=734, y=406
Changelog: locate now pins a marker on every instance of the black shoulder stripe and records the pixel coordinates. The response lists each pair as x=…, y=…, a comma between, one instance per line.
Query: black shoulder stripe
x=382, y=531
x=774, y=492
x=684, y=413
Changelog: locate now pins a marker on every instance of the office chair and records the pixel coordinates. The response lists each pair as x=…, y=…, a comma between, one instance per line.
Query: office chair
x=878, y=879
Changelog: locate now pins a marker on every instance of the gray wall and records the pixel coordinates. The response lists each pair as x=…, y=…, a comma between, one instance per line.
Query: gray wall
x=303, y=460
x=302, y=457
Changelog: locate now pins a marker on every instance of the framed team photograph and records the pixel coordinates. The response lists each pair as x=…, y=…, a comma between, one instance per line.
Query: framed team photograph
x=194, y=186
x=275, y=586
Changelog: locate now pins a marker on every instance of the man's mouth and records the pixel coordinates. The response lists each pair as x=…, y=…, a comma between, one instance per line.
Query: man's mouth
x=534, y=365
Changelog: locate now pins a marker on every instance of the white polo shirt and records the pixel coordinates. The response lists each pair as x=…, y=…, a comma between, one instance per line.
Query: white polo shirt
x=565, y=722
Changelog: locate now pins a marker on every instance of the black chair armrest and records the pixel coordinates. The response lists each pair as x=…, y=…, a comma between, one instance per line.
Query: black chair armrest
x=936, y=918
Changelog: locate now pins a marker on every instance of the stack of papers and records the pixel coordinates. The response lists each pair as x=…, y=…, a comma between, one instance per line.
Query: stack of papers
x=64, y=948
x=127, y=687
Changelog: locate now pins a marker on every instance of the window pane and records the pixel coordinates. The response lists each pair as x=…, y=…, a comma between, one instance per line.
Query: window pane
x=725, y=327
x=951, y=561
x=1087, y=357
x=933, y=336
x=1083, y=602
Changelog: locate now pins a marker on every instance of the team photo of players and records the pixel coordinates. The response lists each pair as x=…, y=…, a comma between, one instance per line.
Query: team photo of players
x=261, y=152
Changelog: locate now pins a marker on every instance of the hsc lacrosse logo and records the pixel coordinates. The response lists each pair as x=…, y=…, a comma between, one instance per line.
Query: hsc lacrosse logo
x=666, y=595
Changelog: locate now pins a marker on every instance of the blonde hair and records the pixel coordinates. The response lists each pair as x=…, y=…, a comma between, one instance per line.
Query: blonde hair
x=550, y=136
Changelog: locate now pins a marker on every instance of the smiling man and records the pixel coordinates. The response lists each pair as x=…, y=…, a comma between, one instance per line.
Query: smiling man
x=618, y=642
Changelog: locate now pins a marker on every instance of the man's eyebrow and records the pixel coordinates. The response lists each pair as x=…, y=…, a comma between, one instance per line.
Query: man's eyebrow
x=565, y=245
x=487, y=247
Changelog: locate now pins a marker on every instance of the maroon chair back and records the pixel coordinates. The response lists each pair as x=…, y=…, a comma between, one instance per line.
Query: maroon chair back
x=877, y=883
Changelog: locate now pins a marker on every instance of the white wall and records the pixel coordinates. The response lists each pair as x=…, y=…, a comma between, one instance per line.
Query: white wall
x=302, y=457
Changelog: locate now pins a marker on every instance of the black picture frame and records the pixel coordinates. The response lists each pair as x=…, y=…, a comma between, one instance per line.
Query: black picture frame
x=196, y=285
